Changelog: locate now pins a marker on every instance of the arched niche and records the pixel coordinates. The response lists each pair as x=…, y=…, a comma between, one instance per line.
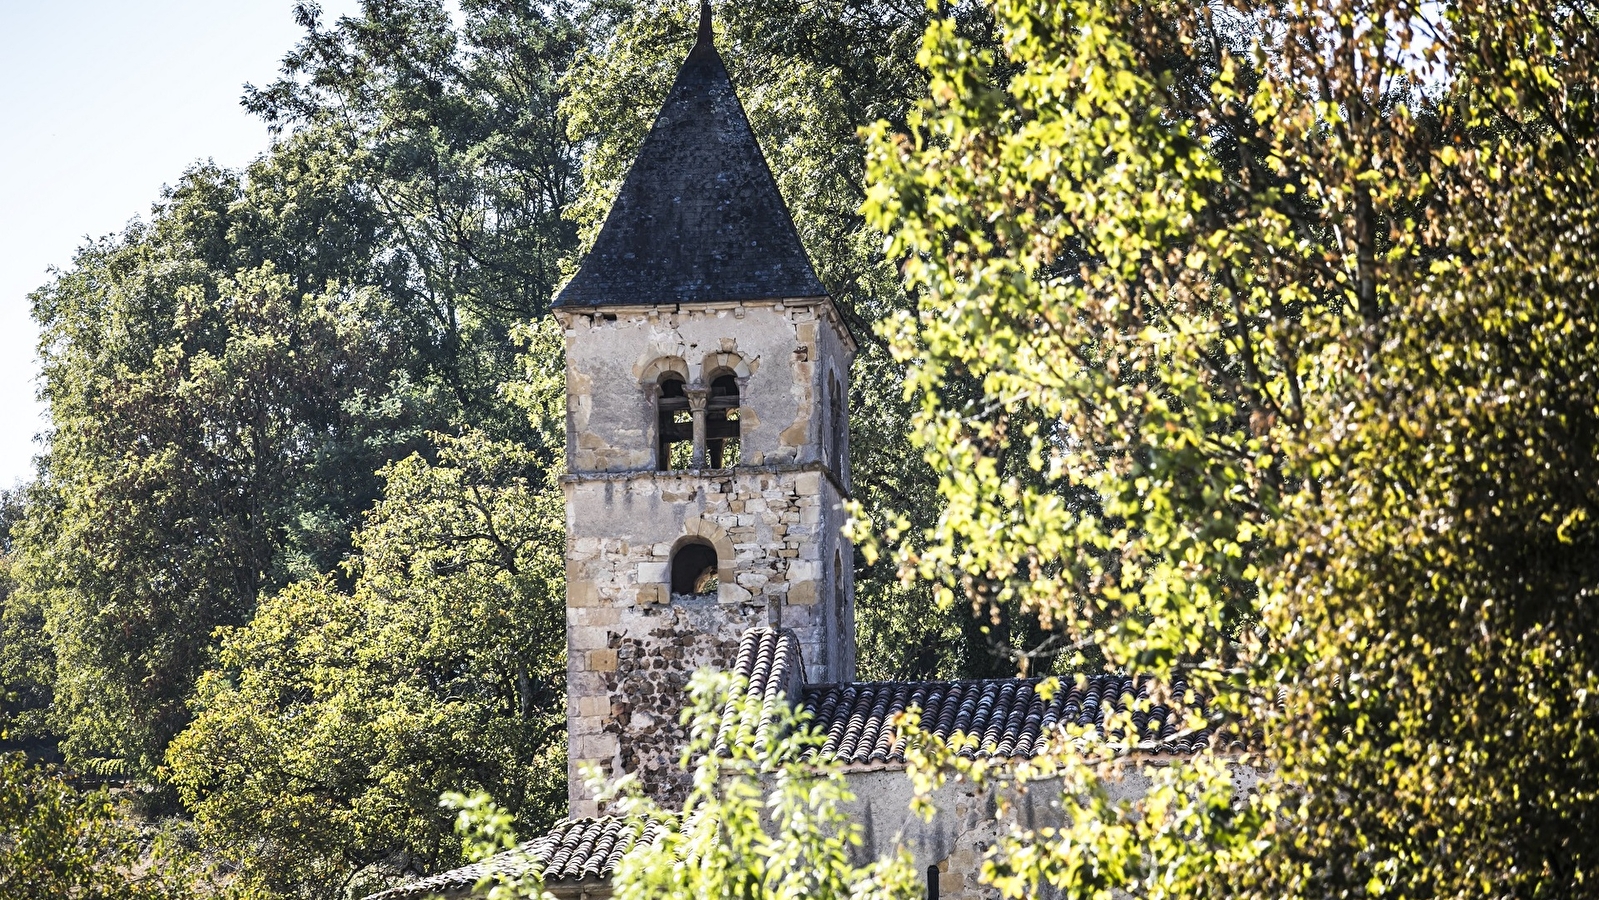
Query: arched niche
x=695, y=569
x=703, y=533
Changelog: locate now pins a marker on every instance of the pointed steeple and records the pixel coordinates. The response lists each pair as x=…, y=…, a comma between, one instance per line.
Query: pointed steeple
x=699, y=217
x=704, y=38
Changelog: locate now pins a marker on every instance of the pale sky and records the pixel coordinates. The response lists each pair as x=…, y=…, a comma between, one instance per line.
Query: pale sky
x=102, y=102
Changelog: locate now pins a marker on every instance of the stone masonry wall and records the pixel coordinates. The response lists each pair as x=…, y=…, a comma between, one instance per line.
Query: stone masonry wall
x=632, y=647
x=968, y=821
x=783, y=354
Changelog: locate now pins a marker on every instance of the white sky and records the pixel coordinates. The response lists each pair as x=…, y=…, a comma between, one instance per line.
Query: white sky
x=101, y=103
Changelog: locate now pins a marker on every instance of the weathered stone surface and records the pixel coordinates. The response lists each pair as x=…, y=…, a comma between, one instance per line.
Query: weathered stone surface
x=774, y=522
x=643, y=644
x=614, y=362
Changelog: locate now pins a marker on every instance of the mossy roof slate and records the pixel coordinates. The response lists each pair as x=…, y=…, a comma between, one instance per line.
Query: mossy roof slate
x=699, y=217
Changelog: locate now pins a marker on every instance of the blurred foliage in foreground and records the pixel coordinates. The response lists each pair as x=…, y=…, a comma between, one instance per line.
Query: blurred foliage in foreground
x=1292, y=307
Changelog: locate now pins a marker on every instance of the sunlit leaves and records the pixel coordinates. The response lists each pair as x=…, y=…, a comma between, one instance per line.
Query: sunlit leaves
x=334, y=719
x=1293, y=307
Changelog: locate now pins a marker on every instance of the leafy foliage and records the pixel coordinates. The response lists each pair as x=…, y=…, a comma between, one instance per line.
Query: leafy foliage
x=335, y=719
x=487, y=830
x=453, y=136
x=760, y=820
x=196, y=418
x=1290, y=308
x=58, y=842
x=27, y=659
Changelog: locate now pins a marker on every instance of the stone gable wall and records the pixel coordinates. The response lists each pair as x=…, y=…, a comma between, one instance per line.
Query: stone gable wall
x=969, y=821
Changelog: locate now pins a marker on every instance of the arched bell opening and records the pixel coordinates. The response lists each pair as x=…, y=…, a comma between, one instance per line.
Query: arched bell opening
x=675, y=425
x=695, y=570
x=722, y=428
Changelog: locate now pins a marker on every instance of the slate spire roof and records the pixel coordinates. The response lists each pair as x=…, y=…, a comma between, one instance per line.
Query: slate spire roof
x=699, y=217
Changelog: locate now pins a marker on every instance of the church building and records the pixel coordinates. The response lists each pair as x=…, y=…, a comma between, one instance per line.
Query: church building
x=708, y=466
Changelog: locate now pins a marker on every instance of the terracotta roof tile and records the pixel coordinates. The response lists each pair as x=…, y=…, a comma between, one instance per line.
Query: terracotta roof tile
x=1007, y=717
x=770, y=659
x=573, y=850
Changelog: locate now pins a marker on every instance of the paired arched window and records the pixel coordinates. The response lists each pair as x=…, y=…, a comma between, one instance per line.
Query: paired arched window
x=694, y=569
x=677, y=406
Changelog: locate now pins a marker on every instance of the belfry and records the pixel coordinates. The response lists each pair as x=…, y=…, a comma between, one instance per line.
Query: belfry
x=707, y=437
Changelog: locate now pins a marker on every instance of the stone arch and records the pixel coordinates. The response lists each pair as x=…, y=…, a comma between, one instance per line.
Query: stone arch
x=652, y=371
x=694, y=567
x=728, y=361
x=709, y=532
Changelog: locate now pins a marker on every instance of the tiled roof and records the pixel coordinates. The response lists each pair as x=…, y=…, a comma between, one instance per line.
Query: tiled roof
x=574, y=850
x=1007, y=717
x=699, y=217
x=770, y=659
x=577, y=849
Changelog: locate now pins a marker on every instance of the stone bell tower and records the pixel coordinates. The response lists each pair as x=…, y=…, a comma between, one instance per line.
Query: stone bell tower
x=707, y=437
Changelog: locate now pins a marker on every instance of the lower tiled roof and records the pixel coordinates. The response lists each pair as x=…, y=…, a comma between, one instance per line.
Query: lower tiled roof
x=1006, y=717
x=770, y=660
x=573, y=850
x=577, y=849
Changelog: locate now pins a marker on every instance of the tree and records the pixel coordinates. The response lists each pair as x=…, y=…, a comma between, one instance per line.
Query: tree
x=226, y=380
x=27, y=661
x=453, y=135
x=1301, y=296
x=58, y=842
x=334, y=719
x=196, y=417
